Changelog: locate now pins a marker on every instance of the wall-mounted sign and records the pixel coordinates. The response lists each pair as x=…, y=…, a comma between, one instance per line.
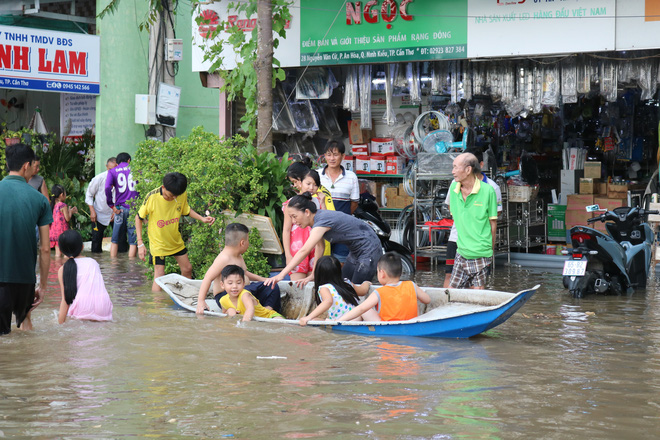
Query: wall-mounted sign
x=77, y=114
x=36, y=59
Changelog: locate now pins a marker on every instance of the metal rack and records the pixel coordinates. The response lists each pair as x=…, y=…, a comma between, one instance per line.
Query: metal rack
x=528, y=224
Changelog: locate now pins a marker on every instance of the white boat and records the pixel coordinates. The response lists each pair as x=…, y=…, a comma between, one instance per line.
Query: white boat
x=452, y=313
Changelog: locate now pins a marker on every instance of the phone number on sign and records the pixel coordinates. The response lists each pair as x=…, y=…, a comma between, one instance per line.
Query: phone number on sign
x=443, y=50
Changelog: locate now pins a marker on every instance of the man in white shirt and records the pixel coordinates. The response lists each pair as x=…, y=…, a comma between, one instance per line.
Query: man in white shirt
x=343, y=186
x=99, y=211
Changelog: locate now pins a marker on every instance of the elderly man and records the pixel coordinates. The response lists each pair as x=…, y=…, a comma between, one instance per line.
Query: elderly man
x=473, y=206
x=99, y=212
x=21, y=209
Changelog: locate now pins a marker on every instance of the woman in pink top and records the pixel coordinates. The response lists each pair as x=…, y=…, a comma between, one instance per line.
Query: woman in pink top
x=83, y=292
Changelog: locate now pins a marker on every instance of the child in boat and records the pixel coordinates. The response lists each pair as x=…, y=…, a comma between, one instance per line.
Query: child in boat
x=333, y=294
x=236, y=243
x=83, y=292
x=164, y=206
x=239, y=301
x=293, y=236
x=396, y=300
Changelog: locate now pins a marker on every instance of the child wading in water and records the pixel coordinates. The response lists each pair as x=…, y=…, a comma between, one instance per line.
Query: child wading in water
x=333, y=294
x=61, y=216
x=239, y=301
x=83, y=292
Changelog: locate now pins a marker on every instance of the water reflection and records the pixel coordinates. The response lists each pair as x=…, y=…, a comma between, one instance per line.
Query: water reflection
x=559, y=368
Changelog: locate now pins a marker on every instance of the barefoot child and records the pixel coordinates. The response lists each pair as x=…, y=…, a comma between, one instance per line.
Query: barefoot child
x=164, y=206
x=396, y=300
x=61, y=216
x=333, y=294
x=84, y=295
x=239, y=301
x=236, y=243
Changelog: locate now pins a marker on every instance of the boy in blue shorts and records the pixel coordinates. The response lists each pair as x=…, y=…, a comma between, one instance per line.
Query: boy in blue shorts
x=164, y=206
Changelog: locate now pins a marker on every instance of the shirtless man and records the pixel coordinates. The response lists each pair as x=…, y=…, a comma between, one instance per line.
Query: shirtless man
x=236, y=244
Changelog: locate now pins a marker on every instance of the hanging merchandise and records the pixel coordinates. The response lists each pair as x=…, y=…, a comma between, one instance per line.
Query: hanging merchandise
x=436, y=79
x=538, y=89
x=550, y=94
x=508, y=82
x=314, y=83
x=454, y=81
x=583, y=70
x=648, y=70
x=388, y=116
x=467, y=80
x=479, y=79
x=325, y=115
x=569, y=80
x=303, y=116
x=351, y=91
x=404, y=140
x=400, y=79
x=608, y=80
x=428, y=122
x=365, y=97
x=282, y=117
x=415, y=83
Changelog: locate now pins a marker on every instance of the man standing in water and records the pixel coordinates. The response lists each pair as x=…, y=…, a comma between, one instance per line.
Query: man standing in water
x=21, y=209
x=473, y=205
x=99, y=212
x=121, y=179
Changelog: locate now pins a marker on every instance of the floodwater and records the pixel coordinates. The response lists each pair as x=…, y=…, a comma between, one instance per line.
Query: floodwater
x=560, y=368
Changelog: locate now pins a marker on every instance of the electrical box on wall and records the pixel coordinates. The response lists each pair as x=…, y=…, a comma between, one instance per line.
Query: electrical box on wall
x=174, y=49
x=145, y=109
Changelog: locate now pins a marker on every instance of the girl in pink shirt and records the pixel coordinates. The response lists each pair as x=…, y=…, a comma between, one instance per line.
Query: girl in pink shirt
x=83, y=292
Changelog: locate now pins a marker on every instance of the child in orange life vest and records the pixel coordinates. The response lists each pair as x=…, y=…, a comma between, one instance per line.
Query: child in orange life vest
x=396, y=300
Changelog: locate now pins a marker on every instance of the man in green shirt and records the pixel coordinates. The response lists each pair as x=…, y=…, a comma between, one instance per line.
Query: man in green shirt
x=21, y=209
x=473, y=206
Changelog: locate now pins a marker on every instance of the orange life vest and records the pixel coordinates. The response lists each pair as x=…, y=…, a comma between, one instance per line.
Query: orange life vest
x=397, y=303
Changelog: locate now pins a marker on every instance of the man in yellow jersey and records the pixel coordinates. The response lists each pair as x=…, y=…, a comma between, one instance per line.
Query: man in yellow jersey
x=164, y=206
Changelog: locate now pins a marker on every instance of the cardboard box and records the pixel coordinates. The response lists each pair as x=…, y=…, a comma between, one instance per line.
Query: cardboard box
x=348, y=163
x=382, y=146
x=391, y=192
x=356, y=135
x=579, y=201
x=377, y=164
x=362, y=165
x=576, y=217
x=610, y=204
x=394, y=165
x=602, y=188
x=592, y=170
x=557, y=222
x=570, y=182
x=586, y=185
x=654, y=217
x=360, y=150
x=617, y=190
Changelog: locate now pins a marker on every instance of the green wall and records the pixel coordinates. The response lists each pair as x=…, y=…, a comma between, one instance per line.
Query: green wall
x=124, y=73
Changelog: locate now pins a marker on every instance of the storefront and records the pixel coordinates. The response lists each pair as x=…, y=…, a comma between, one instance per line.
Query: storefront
x=563, y=83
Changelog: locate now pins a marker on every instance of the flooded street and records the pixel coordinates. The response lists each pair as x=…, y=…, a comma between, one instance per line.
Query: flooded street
x=559, y=368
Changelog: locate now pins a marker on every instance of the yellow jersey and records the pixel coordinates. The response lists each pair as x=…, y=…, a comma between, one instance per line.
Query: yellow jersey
x=164, y=216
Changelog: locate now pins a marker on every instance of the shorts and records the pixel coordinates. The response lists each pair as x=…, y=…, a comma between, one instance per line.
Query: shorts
x=123, y=221
x=17, y=299
x=340, y=252
x=469, y=273
x=364, y=269
x=160, y=261
x=451, y=254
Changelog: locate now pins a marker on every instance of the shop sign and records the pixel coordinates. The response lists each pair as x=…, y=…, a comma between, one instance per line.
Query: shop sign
x=77, y=114
x=374, y=31
x=36, y=59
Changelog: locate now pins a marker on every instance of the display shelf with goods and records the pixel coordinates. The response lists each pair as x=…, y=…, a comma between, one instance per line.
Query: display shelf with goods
x=527, y=225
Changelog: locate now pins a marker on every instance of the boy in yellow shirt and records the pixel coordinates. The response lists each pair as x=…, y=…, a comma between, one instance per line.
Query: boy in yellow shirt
x=239, y=301
x=164, y=206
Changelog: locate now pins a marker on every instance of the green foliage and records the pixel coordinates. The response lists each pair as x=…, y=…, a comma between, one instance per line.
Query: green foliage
x=223, y=174
x=242, y=81
x=155, y=8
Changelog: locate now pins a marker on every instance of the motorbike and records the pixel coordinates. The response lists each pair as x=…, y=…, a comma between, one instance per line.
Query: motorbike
x=616, y=262
x=367, y=211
